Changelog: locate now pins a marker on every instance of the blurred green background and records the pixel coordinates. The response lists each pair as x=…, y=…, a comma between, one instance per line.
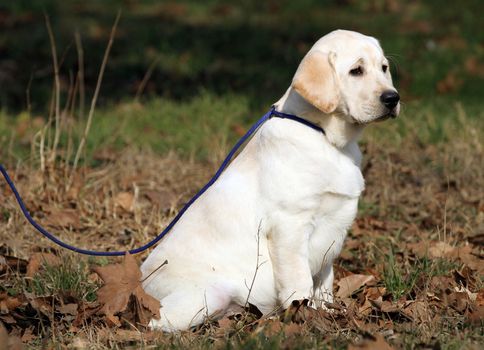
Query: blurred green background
x=226, y=59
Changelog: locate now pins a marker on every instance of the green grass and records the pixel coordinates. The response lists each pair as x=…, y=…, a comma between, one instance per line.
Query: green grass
x=71, y=277
x=219, y=67
x=400, y=278
x=204, y=127
x=190, y=128
x=398, y=282
x=431, y=121
x=223, y=63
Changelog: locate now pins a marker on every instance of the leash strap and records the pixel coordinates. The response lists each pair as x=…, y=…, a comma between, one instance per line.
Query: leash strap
x=225, y=163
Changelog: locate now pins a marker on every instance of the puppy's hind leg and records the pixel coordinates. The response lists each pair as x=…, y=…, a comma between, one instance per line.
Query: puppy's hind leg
x=190, y=307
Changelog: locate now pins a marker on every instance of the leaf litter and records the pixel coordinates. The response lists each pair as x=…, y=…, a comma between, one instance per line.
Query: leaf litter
x=122, y=287
x=402, y=264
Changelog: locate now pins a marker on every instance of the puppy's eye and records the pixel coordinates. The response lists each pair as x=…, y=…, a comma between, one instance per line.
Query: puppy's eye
x=356, y=71
x=384, y=68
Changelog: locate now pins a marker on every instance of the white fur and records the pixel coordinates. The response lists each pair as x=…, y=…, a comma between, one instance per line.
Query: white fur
x=291, y=194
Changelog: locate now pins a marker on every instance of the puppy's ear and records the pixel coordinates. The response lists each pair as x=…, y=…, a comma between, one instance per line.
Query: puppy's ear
x=315, y=82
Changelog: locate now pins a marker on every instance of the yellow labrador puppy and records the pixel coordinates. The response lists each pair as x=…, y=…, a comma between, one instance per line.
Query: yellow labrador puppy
x=268, y=230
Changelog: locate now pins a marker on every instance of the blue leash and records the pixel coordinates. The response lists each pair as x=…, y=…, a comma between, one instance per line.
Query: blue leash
x=252, y=130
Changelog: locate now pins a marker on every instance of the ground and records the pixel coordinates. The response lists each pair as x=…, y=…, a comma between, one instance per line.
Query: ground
x=411, y=272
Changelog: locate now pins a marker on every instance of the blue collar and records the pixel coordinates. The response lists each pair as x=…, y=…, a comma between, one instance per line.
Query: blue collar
x=297, y=119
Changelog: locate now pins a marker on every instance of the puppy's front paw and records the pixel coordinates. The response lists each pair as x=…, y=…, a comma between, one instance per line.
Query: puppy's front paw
x=287, y=297
x=299, y=311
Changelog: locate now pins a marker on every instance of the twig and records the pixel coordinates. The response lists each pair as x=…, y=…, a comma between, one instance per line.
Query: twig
x=321, y=267
x=51, y=115
x=69, y=130
x=41, y=148
x=145, y=79
x=257, y=265
x=152, y=272
x=326, y=253
x=94, y=98
x=32, y=148
x=27, y=94
x=66, y=112
x=80, y=74
x=70, y=94
x=57, y=89
x=10, y=146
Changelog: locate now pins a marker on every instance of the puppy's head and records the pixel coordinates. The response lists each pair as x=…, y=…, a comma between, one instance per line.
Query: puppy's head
x=347, y=73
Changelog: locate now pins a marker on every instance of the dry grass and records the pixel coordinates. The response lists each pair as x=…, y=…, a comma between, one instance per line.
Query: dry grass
x=419, y=233
x=418, y=238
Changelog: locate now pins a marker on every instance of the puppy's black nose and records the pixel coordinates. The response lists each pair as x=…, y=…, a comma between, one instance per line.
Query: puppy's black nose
x=390, y=99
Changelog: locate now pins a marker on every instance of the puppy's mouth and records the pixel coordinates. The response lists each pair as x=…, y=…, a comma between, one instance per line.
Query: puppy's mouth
x=390, y=114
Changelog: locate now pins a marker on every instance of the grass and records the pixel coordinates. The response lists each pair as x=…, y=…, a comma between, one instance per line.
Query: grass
x=408, y=165
x=207, y=125
x=217, y=68
x=71, y=277
x=191, y=129
x=398, y=282
x=401, y=278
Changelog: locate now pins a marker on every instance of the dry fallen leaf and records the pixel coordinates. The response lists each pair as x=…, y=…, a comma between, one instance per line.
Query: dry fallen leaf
x=43, y=305
x=39, y=260
x=164, y=199
x=463, y=253
x=226, y=323
x=440, y=249
x=122, y=282
x=9, y=303
x=12, y=263
x=418, y=311
x=28, y=335
x=459, y=301
x=298, y=312
x=480, y=298
x=126, y=335
x=68, y=309
x=60, y=218
x=349, y=284
x=125, y=200
x=293, y=329
x=9, y=342
x=270, y=327
x=476, y=315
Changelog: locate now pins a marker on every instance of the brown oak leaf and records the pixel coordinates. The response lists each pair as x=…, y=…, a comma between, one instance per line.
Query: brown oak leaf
x=349, y=284
x=122, y=284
